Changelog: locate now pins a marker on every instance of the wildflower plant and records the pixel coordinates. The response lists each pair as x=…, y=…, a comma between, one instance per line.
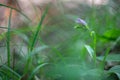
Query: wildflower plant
x=92, y=51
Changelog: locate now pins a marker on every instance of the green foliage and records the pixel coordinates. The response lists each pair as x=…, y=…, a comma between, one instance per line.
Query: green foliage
x=8, y=73
x=74, y=57
x=111, y=57
x=115, y=70
x=110, y=35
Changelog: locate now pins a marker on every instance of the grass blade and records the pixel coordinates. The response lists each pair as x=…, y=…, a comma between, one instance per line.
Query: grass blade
x=9, y=72
x=36, y=70
x=38, y=29
x=8, y=38
x=104, y=58
x=35, y=38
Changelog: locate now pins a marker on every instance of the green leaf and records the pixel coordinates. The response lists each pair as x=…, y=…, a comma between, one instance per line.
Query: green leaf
x=90, y=50
x=115, y=70
x=109, y=35
x=110, y=58
x=113, y=33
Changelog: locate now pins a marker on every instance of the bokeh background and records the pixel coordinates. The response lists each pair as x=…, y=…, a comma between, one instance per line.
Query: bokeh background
x=65, y=44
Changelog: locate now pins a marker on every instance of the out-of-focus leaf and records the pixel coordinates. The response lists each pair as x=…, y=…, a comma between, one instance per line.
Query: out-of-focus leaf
x=111, y=77
x=10, y=73
x=115, y=70
x=112, y=34
x=36, y=70
x=90, y=51
x=111, y=57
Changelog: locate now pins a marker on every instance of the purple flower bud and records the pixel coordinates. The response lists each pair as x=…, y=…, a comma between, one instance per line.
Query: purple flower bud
x=81, y=21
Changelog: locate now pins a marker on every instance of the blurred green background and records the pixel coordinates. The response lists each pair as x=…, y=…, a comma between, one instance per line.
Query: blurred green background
x=61, y=51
